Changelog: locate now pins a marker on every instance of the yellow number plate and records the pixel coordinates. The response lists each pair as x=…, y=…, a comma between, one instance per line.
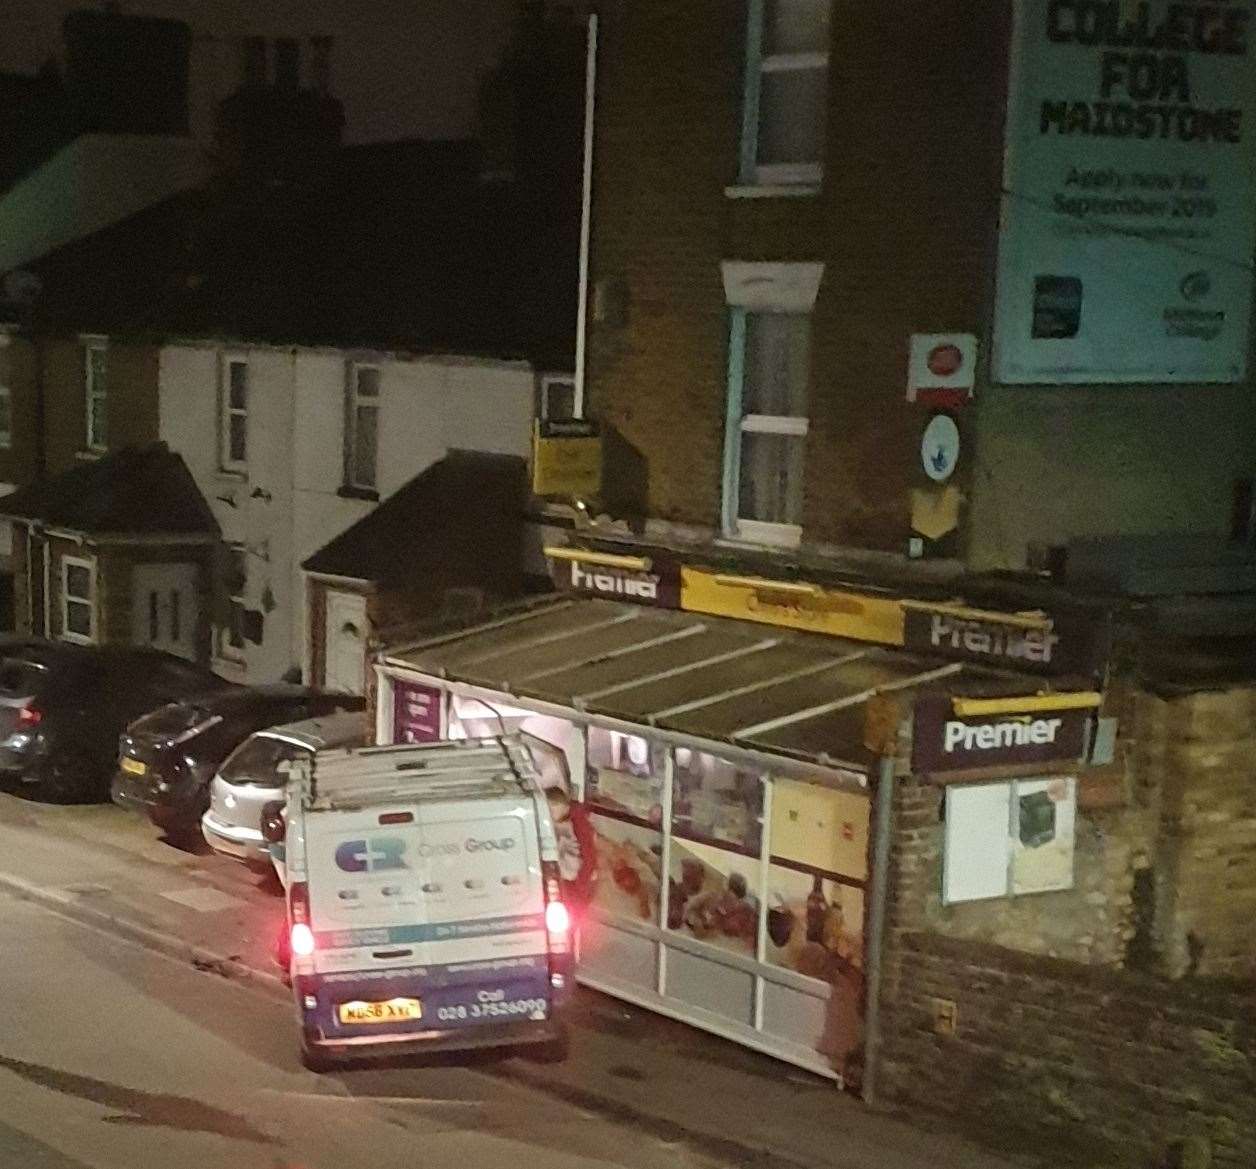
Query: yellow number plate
x=392, y=1011
x=134, y=766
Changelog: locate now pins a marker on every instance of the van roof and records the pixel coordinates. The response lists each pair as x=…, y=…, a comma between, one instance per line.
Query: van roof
x=467, y=769
x=343, y=728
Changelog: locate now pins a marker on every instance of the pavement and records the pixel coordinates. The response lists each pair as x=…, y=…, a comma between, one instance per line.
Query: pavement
x=110, y=869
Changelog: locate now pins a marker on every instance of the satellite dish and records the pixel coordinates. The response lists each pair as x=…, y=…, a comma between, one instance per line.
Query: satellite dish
x=21, y=286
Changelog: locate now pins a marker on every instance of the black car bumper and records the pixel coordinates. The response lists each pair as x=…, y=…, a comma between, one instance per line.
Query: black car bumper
x=21, y=755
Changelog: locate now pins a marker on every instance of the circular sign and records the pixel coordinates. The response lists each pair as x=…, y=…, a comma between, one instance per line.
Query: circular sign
x=939, y=447
x=944, y=360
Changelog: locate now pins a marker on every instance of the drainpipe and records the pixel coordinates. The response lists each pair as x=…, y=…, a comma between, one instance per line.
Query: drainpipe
x=876, y=923
x=586, y=212
x=47, y=585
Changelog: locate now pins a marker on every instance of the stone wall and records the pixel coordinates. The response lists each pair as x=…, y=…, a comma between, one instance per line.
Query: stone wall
x=1091, y=923
x=1096, y=1068
x=1195, y=760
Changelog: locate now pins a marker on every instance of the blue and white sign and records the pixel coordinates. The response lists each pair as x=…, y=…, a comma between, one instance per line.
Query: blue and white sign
x=1129, y=201
x=939, y=448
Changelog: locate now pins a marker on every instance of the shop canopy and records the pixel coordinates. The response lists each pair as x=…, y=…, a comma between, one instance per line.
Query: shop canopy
x=756, y=687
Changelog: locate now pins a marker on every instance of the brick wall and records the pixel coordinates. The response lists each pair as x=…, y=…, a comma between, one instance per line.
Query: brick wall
x=19, y=374
x=904, y=224
x=1089, y=1067
x=131, y=381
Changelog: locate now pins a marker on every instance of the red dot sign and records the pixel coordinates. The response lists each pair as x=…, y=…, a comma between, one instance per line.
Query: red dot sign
x=944, y=360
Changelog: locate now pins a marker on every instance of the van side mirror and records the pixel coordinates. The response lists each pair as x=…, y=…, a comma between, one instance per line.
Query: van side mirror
x=274, y=826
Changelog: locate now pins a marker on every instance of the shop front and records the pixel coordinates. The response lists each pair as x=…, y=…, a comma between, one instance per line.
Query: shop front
x=722, y=770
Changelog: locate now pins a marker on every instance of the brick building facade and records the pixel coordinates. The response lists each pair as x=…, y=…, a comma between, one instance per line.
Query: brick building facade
x=753, y=289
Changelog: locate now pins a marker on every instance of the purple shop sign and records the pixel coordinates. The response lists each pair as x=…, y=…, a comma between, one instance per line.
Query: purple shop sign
x=416, y=713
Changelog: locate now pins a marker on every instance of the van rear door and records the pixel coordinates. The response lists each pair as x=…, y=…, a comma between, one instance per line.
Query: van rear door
x=444, y=899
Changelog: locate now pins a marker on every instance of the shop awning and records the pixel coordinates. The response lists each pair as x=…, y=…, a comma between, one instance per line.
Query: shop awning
x=711, y=678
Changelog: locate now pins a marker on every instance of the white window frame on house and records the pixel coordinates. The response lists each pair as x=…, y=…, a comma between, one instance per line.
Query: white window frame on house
x=96, y=443
x=66, y=600
x=787, y=289
x=356, y=402
x=228, y=411
x=6, y=417
x=235, y=605
x=549, y=381
x=783, y=178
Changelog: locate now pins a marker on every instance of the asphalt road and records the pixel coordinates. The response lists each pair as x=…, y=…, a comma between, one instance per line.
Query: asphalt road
x=113, y=1057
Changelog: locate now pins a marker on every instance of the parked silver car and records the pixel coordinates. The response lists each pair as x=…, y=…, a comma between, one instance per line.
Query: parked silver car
x=256, y=774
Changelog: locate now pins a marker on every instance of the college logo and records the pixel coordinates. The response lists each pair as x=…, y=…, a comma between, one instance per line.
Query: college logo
x=379, y=854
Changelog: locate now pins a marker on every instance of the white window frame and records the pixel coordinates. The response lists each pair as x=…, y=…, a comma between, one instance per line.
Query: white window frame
x=788, y=176
x=548, y=381
x=785, y=288
x=354, y=401
x=226, y=411
x=68, y=562
x=95, y=442
x=6, y=435
x=235, y=601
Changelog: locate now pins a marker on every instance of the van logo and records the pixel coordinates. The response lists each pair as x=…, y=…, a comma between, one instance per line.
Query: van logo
x=378, y=854
x=505, y=844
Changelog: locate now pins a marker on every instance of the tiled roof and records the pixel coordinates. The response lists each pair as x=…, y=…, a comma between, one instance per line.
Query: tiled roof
x=135, y=491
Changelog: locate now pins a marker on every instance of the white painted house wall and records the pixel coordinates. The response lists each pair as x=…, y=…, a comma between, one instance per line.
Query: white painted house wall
x=428, y=405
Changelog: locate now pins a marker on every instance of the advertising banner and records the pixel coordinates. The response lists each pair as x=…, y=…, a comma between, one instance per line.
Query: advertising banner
x=416, y=713
x=1129, y=207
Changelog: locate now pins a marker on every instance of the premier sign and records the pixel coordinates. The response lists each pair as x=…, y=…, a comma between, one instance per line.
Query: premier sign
x=660, y=586
x=962, y=736
x=944, y=741
x=1052, y=647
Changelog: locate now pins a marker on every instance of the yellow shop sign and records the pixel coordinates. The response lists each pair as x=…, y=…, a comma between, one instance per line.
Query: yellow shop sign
x=566, y=459
x=794, y=604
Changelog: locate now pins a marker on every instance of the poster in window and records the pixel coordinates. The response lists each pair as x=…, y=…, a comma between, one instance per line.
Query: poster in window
x=1043, y=816
x=624, y=799
x=717, y=833
x=819, y=863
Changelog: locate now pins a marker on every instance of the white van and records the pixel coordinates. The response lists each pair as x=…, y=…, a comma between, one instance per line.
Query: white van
x=424, y=902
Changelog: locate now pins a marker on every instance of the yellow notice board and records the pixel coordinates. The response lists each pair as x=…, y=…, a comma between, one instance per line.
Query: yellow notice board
x=566, y=459
x=821, y=827
x=796, y=605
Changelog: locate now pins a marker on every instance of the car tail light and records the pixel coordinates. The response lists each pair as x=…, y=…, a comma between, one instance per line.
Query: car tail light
x=301, y=939
x=299, y=902
x=300, y=935
x=30, y=716
x=557, y=916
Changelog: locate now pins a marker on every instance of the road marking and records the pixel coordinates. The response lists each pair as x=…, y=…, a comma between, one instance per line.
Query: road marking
x=203, y=900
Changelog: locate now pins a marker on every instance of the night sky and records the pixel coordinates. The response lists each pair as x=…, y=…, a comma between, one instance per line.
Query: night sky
x=408, y=69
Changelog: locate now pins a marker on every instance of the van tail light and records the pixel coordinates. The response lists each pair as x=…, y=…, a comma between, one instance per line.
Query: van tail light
x=300, y=935
x=557, y=916
x=301, y=940
x=30, y=716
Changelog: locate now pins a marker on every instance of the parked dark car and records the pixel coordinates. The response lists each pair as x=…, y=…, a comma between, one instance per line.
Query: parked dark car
x=63, y=706
x=167, y=758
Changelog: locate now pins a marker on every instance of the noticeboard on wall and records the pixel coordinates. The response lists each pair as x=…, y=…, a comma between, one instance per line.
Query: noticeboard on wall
x=1129, y=201
x=566, y=459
